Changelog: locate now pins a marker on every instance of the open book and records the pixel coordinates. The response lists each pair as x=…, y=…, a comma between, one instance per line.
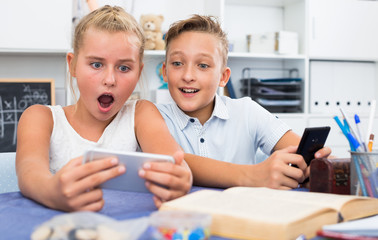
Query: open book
x=263, y=213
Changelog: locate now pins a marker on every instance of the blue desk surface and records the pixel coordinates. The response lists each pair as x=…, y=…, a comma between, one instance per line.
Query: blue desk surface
x=19, y=215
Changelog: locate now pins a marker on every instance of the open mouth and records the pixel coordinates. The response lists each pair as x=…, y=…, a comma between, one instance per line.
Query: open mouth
x=189, y=90
x=105, y=100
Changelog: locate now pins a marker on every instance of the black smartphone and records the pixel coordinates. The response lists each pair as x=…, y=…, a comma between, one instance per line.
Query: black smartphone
x=312, y=140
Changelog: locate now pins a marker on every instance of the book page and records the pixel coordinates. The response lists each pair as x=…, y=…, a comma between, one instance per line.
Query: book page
x=250, y=205
x=365, y=226
x=335, y=201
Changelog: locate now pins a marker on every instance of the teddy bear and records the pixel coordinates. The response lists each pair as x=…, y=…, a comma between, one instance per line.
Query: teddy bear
x=151, y=24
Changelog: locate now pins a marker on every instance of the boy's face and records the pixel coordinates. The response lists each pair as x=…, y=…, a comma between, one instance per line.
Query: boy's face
x=194, y=70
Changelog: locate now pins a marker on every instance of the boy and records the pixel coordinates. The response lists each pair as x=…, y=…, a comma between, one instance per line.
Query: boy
x=220, y=128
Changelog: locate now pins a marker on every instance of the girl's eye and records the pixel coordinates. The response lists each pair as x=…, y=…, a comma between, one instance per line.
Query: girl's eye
x=176, y=64
x=202, y=65
x=124, y=68
x=96, y=65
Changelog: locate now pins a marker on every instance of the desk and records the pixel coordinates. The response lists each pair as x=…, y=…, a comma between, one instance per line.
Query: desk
x=19, y=215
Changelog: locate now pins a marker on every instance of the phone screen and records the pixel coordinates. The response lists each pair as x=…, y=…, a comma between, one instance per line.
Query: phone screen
x=312, y=140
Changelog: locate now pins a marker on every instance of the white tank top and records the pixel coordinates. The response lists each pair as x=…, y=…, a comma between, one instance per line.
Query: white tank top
x=66, y=143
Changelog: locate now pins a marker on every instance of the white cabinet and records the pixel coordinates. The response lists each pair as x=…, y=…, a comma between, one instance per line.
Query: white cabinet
x=38, y=25
x=343, y=29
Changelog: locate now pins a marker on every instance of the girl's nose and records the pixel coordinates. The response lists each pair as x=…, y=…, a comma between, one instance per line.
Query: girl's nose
x=109, y=78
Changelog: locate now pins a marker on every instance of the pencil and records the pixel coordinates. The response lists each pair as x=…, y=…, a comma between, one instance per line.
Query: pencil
x=371, y=141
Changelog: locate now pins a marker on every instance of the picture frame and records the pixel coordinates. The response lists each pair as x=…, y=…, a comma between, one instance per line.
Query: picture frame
x=17, y=94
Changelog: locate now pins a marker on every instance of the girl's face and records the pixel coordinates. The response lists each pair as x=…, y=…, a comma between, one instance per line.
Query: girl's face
x=194, y=71
x=107, y=70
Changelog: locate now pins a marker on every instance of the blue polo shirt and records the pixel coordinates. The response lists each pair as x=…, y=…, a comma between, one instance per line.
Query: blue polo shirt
x=235, y=131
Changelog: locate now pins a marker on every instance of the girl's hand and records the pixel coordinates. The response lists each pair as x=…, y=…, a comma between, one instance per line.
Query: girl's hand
x=167, y=181
x=75, y=186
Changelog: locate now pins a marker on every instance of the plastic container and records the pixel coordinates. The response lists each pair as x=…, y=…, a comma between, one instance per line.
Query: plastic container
x=179, y=225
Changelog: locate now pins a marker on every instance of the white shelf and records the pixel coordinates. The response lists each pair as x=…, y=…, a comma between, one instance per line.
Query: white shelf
x=246, y=55
x=16, y=51
x=154, y=53
x=353, y=59
x=237, y=55
x=265, y=3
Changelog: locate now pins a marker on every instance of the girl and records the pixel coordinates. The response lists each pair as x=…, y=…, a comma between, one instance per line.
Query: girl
x=107, y=63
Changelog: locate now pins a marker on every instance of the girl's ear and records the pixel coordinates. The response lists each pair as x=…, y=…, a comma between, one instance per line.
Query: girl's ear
x=225, y=77
x=71, y=63
x=141, y=69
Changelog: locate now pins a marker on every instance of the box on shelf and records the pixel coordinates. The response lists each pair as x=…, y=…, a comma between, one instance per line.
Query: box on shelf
x=282, y=42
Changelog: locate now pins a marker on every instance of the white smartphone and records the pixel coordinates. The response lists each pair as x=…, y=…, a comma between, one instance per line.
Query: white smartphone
x=130, y=180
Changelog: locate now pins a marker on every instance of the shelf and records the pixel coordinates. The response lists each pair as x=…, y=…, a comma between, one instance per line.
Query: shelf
x=244, y=55
x=153, y=53
x=352, y=59
x=236, y=55
x=265, y=3
x=34, y=51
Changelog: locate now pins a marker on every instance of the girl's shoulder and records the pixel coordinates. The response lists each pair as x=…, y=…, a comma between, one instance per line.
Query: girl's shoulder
x=36, y=115
x=37, y=110
x=144, y=105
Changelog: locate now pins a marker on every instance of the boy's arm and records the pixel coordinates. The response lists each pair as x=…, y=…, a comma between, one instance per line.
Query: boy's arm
x=274, y=172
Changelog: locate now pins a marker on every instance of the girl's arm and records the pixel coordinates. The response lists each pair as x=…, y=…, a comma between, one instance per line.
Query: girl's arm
x=154, y=137
x=73, y=187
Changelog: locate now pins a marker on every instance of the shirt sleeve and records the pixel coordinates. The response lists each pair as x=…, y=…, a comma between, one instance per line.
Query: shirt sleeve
x=268, y=129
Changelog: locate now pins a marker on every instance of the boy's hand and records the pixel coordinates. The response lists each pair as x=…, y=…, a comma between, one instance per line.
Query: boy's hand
x=323, y=153
x=276, y=171
x=176, y=178
x=74, y=187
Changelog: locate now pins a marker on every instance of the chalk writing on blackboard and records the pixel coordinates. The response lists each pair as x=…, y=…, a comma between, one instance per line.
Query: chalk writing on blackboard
x=15, y=96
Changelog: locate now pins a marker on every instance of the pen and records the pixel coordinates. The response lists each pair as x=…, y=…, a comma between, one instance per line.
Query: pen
x=365, y=175
x=371, y=141
x=358, y=121
x=347, y=122
x=371, y=120
x=354, y=144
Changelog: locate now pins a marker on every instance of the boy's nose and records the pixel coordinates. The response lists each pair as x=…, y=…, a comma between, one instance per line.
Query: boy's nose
x=189, y=74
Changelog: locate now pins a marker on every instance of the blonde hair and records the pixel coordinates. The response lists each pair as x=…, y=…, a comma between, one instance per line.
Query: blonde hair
x=198, y=23
x=110, y=19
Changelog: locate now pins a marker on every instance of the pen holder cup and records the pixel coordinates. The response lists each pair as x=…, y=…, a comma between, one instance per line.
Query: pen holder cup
x=364, y=174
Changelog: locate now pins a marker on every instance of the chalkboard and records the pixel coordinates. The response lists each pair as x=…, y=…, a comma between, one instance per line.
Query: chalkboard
x=15, y=96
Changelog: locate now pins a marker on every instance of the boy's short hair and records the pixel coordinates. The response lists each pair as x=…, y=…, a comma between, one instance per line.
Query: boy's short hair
x=199, y=23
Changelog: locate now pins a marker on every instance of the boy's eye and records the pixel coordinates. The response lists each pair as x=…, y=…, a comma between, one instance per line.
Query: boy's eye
x=96, y=65
x=202, y=65
x=123, y=68
x=176, y=64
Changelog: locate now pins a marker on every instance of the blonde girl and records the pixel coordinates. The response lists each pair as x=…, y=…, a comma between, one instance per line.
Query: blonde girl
x=107, y=61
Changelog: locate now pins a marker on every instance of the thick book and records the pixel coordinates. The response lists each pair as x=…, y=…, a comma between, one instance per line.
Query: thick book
x=263, y=213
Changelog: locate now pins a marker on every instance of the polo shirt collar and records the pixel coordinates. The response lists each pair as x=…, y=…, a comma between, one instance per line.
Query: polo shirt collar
x=220, y=111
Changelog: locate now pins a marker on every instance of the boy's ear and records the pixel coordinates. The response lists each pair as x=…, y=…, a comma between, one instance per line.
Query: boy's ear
x=225, y=77
x=164, y=72
x=71, y=63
